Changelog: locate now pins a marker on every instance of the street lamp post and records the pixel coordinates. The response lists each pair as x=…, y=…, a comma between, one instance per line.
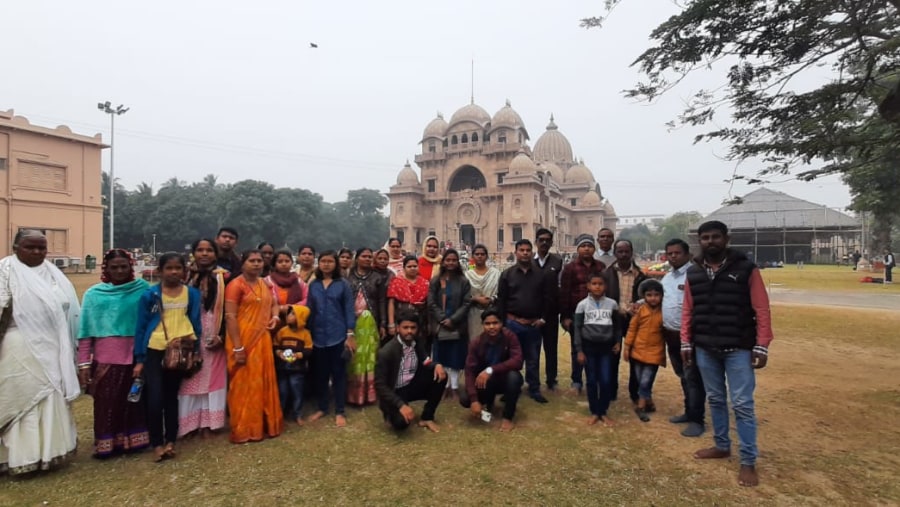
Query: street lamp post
x=107, y=108
x=154, y=246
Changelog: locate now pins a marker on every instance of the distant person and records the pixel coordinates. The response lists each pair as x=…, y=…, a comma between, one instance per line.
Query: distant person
x=229, y=260
x=889, y=263
x=492, y=368
x=645, y=348
x=726, y=320
x=306, y=263
x=605, y=253
x=856, y=257
x=430, y=261
x=484, y=281
x=345, y=261
x=598, y=333
x=622, y=280
x=395, y=257
x=268, y=255
x=405, y=372
x=798, y=258
x=551, y=265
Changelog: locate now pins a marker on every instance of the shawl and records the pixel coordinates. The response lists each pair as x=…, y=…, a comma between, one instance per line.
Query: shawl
x=484, y=285
x=435, y=261
x=111, y=310
x=291, y=282
x=405, y=291
x=396, y=265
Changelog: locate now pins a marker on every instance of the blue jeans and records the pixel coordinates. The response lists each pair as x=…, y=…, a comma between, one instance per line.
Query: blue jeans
x=530, y=339
x=290, y=390
x=331, y=364
x=715, y=367
x=577, y=369
x=598, y=369
x=645, y=375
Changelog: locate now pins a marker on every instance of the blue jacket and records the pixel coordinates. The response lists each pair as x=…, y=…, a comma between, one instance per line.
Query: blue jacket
x=149, y=316
x=330, y=312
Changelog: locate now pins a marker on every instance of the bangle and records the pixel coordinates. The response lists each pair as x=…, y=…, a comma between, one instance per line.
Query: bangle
x=84, y=366
x=237, y=349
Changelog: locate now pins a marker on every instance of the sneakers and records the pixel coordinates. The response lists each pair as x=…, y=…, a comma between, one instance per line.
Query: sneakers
x=693, y=429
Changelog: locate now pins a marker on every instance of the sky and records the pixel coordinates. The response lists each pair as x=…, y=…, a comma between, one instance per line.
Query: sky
x=234, y=89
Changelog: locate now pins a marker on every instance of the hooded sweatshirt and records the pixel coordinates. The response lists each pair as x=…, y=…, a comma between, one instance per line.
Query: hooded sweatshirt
x=297, y=339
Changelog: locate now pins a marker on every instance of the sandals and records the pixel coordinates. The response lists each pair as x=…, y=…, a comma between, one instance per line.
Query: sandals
x=161, y=453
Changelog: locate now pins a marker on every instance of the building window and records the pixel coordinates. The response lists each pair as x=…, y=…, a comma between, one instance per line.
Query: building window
x=465, y=139
x=2, y=163
x=487, y=138
x=572, y=202
x=418, y=237
x=431, y=233
x=57, y=240
x=467, y=178
x=400, y=235
x=501, y=139
x=517, y=233
x=444, y=143
x=431, y=147
x=454, y=140
x=475, y=137
x=500, y=178
x=500, y=236
x=431, y=185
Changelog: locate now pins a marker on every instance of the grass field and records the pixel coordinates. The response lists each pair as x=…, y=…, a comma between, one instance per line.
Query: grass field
x=828, y=406
x=826, y=278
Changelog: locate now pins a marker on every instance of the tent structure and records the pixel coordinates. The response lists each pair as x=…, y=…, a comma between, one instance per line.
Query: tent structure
x=773, y=226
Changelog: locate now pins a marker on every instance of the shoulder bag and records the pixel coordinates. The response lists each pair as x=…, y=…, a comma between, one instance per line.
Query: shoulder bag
x=180, y=355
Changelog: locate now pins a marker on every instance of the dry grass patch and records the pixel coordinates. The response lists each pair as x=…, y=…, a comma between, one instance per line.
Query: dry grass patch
x=825, y=278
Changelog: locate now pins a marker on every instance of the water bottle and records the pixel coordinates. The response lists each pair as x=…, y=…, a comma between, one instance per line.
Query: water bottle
x=137, y=387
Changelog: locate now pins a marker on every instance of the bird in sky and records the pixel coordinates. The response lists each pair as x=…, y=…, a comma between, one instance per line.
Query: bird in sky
x=313, y=45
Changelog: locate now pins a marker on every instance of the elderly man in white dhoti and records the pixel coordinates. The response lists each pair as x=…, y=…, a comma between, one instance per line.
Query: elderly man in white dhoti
x=38, y=380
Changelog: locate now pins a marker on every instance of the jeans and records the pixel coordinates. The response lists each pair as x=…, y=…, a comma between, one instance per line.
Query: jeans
x=888, y=277
x=509, y=385
x=530, y=339
x=598, y=369
x=290, y=390
x=550, y=336
x=161, y=395
x=644, y=375
x=421, y=387
x=577, y=369
x=331, y=364
x=715, y=368
x=691, y=383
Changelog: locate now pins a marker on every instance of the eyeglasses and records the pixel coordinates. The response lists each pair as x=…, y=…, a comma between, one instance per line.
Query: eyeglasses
x=545, y=240
x=605, y=236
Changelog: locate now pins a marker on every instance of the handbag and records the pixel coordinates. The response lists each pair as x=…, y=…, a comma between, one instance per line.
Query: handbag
x=180, y=355
x=444, y=334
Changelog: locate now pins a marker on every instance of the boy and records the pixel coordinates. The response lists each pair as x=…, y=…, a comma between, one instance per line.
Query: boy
x=645, y=347
x=596, y=330
x=293, y=346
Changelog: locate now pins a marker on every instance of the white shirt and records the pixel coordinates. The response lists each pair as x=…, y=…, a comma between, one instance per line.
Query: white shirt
x=673, y=298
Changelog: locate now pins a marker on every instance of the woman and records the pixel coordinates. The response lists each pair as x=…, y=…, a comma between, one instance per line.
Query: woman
x=430, y=261
x=268, y=254
x=250, y=313
x=381, y=266
x=166, y=311
x=306, y=259
x=448, y=304
x=369, y=291
x=289, y=288
x=345, y=261
x=395, y=256
x=408, y=292
x=37, y=359
x=332, y=322
x=106, y=334
x=484, y=281
x=202, y=397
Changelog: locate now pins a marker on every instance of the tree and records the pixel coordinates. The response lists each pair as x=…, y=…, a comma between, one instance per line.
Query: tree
x=767, y=46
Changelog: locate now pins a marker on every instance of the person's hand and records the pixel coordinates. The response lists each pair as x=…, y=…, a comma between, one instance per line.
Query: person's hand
x=616, y=348
x=351, y=344
x=482, y=379
x=758, y=360
x=240, y=356
x=538, y=323
x=476, y=409
x=581, y=358
x=391, y=329
x=687, y=357
x=567, y=325
x=84, y=377
x=482, y=300
x=439, y=373
x=137, y=370
x=214, y=342
x=408, y=413
x=273, y=322
x=447, y=323
x=626, y=354
x=637, y=305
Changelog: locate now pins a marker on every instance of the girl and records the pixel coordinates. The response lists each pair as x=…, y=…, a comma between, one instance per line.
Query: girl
x=408, y=292
x=201, y=399
x=369, y=289
x=293, y=347
x=430, y=261
x=484, y=281
x=166, y=311
x=382, y=266
x=268, y=255
x=250, y=313
x=306, y=260
x=448, y=302
x=332, y=324
x=395, y=257
x=345, y=261
x=106, y=333
x=289, y=288
x=645, y=347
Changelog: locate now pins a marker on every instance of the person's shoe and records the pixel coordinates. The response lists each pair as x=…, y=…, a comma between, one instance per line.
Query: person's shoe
x=538, y=397
x=552, y=387
x=693, y=429
x=651, y=407
x=679, y=419
x=577, y=387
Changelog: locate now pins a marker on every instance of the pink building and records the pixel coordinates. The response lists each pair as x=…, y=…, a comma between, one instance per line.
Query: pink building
x=50, y=181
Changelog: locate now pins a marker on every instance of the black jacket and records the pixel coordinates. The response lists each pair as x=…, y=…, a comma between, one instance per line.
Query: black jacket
x=387, y=369
x=723, y=315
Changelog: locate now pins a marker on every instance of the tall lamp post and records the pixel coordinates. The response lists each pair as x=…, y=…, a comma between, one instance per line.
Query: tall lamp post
x=107, y=108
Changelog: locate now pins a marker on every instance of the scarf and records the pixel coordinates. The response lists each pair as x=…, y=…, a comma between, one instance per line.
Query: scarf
x=111, y=310
x=206, y=281
x=289, y=281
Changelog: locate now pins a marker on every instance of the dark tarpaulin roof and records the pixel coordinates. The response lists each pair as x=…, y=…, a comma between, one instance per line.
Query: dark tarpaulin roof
x=769, y=209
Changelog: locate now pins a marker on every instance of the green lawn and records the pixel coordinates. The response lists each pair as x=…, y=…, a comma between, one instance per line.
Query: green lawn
x=825, y=278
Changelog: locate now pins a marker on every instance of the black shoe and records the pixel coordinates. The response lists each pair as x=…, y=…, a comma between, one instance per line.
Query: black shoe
x=693, y=429
x=538, y=397
x=642, y=415
x=679, y=419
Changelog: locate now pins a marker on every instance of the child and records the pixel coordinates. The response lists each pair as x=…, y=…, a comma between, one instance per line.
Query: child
x=166, y=311
x=596, y=329
x=645, y=346
x=293, y=346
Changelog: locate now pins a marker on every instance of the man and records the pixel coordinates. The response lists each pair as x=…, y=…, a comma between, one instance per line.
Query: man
x=622, y=280
x=404, y=372
x=678, y=255
x=604, y=253
x=551, y=265
x=226, y=241
x=492, y=367
x=726, y=322
x=573, y=289
x=522, y=296
x=856, y=257
x=889, y=263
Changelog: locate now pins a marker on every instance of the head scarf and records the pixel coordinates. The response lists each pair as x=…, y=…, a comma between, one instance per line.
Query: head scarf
x=104, y=268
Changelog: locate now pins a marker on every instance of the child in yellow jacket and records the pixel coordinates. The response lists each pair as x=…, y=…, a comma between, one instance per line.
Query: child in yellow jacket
x=645, y=346
x=293, y=346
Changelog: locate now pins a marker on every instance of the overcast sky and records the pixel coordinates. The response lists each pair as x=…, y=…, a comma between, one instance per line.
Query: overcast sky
x=234, y=89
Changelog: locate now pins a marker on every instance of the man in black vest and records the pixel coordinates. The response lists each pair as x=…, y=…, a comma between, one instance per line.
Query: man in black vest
x=551, y=265
x=726, y=321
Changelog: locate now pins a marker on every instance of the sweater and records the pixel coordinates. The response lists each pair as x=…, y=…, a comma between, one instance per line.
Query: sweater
x=596, y=321
x=645, y=338
x=509, y=358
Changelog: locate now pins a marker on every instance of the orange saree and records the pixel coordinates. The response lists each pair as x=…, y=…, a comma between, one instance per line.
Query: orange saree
x=253, y=403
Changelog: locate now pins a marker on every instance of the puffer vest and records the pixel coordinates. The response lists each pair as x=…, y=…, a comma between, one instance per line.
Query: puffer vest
x=723, y=315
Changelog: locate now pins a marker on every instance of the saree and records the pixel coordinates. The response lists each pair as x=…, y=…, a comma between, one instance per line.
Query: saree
x=482, y=285
x=253, y=402
x=361, y=370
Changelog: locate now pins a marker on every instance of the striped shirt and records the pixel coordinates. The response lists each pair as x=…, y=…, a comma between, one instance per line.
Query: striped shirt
x=408, y=364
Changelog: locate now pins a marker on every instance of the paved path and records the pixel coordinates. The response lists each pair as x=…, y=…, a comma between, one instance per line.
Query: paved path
x=887, y=301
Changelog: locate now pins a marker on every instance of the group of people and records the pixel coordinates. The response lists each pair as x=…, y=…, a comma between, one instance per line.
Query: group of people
x=369, y=327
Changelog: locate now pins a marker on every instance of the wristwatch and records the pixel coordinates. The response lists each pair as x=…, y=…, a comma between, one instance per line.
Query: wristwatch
x=489, y=370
